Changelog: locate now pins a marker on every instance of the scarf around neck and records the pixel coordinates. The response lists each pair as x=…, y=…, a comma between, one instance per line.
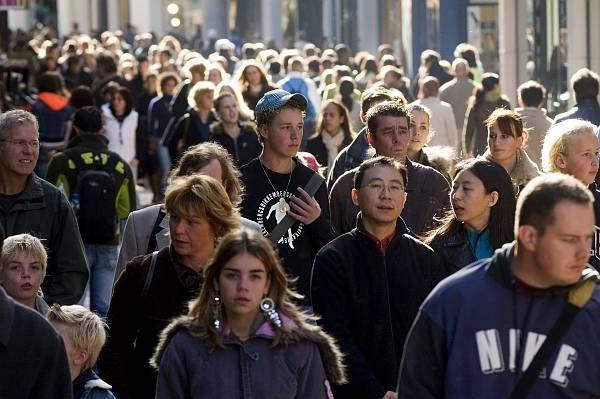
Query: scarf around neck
x=332, y=143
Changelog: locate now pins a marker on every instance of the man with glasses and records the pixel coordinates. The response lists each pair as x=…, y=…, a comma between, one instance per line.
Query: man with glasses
x=31, y=205
x=367, y=284
x=389, y=133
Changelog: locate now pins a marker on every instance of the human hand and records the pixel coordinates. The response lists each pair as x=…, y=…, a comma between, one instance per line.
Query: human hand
x=390, y=395
x=304, y=208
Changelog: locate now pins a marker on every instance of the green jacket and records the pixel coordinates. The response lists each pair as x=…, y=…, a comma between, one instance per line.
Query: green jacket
x=62, y=171
x=43, y=211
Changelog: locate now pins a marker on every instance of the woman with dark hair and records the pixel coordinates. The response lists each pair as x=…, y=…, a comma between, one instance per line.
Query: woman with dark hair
x=333, y=133
x=482, y=217
x=486, y=99
x=506, y=142
x=244, y=328
x=120, y=126
x=253, y=83
x=368, y=72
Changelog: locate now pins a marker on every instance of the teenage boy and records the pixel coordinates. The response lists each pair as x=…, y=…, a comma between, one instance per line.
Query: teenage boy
x=275, y=186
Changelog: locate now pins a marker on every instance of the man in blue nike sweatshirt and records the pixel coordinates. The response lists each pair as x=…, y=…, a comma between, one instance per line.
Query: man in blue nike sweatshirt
x=480, y=328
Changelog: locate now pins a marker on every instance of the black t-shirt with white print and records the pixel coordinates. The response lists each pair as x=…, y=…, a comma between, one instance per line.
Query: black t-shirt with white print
x=299, y=245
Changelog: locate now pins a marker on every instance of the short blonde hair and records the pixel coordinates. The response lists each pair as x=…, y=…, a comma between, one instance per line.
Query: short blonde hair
x=559, y=138
x=14, y=245
x=86, y=330
x=202, y=196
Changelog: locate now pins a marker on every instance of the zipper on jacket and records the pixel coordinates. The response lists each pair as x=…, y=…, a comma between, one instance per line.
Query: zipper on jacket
x=389, y=306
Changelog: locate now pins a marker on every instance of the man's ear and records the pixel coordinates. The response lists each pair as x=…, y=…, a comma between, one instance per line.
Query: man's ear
x=354, y=196
x=369, y=138
x=263, y=132
x=527, y=236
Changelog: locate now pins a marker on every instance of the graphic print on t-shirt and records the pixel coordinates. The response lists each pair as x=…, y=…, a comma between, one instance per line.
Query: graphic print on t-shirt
x=270, y=214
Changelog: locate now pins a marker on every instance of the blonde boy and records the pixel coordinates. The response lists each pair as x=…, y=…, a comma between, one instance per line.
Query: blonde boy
x=84, y=335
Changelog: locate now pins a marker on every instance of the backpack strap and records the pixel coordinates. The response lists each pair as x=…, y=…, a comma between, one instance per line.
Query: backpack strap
x=577, y=299
x=149, y=275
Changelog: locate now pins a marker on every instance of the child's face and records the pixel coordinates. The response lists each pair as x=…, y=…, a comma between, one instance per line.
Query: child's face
x=22, y=277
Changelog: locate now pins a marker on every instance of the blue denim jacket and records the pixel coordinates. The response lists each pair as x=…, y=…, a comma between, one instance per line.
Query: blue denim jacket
x=587, y=109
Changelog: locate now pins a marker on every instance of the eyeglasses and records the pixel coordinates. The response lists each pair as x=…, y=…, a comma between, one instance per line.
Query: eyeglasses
x=380, y=188
x=24, y=144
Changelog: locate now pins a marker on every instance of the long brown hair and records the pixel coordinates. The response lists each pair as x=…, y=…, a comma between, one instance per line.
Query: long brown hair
x=250, y=242
x=343, y=111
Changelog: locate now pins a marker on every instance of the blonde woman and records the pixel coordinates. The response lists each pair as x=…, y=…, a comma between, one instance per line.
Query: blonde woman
x=244, y=329
x=22, y=270
x=572, y=147
x=156, y=288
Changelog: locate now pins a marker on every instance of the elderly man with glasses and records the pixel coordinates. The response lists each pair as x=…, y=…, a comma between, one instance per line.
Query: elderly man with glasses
x=29, y=204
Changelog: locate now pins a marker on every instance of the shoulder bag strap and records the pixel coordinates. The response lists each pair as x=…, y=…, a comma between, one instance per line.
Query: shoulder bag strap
x=577, y=299
x=278, y=231
x=149, y=276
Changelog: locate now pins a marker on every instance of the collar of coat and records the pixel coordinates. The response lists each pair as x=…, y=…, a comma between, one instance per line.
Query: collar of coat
x=292, y=332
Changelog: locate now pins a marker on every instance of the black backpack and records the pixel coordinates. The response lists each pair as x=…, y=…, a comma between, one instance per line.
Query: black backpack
x=94, y=199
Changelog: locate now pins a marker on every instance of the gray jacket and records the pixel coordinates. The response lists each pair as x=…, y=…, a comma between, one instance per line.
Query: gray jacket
x=536, y=120
x=457, y=93
x=138, y=231
x=302, y=365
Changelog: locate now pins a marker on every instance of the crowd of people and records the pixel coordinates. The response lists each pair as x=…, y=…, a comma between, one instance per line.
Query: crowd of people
x=321, y=226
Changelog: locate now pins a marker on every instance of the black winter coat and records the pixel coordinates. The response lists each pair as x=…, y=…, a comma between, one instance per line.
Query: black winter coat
x=136, y=321
x=454, y=249
x=243, y=149
x=33, y=362
x=368, y=299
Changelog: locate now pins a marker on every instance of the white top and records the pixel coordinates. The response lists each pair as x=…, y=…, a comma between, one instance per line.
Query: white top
x=121, y=135
x=442, y=124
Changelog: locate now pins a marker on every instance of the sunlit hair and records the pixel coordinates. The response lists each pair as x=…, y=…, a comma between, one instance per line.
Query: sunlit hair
x=198, y=156
x=244, y=241
x=205, y=197
x=198, y=90
x=559, y=138
x=241, y=75
x=343, y=112
x=509, y=122
x=246, y=114
x=502, y=215
x=13, y=118
x=412, y=107
x=23, y=243
x=85, y=329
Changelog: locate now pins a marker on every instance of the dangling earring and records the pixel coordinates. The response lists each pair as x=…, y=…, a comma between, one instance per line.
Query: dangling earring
x=268, y=307
x=217, y=322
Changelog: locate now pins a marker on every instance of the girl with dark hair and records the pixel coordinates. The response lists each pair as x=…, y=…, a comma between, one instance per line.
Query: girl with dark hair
x=506, y=142
x=253, y=83
x=245, y=329
x=120, y=125
x=486, y=99
x=333, y=133
x=482, y=216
